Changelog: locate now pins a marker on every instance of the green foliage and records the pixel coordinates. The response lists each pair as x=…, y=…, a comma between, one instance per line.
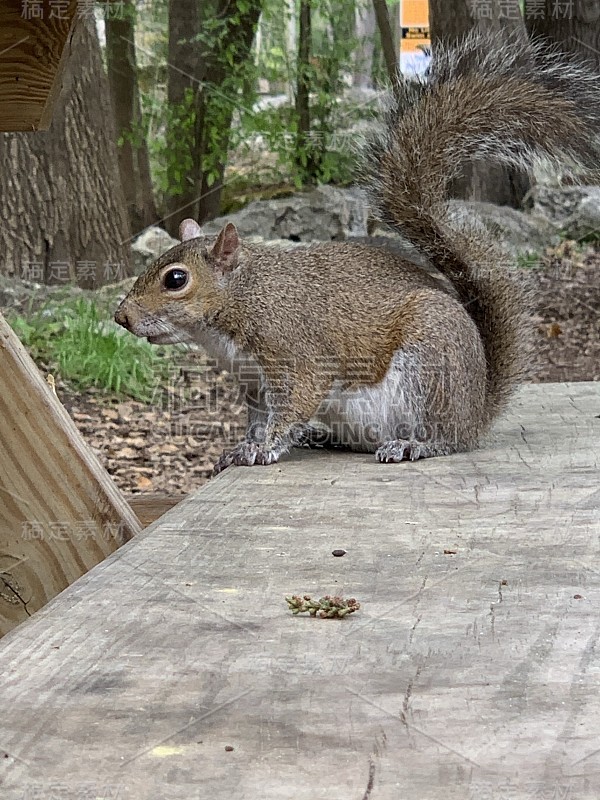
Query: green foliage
x=590, y=238
x=193, y=138
x=528, y=260
x=191, y=141
x=79, y=342
x=175, y=150
x=325, y=155
x=593, y=238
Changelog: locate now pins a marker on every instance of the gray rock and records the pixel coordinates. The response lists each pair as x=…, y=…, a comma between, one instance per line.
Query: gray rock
x=330, y=213
x=149, y=245
x=519, y=232
x=557, y=203
x=324, y=214
x=584, y=223
x=575, y=210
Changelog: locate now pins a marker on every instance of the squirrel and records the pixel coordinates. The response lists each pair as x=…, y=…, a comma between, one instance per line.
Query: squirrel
x=355, y=340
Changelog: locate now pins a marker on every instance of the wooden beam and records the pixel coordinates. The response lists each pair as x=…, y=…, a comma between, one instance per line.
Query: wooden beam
x=175, y=670
x=60, y=513
x=33, y=39
x=150, y=506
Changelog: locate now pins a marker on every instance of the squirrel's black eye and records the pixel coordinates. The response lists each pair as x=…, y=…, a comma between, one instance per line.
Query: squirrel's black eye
x=175, y=279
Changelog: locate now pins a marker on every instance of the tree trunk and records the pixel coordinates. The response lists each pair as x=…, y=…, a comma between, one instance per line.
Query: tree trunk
x=575, y=25
x=449, y=22
x=209, y=206
x=185, y=73
x=365, y=36
x=291, y=41
x=303, y=149
x=201, y=67
x=133, y=152
x=387, y=39
x=61, y=203
x=240, y=36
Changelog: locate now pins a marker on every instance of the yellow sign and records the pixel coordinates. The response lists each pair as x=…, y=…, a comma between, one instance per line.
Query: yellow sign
x=414, y=13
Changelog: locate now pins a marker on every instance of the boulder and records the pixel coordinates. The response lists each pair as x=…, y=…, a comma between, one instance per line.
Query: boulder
x=329, y=213
x=556, y=203
x=584, y=223
x=324, y=214
x=150, y=244
x=519, y=231
x=575, y=210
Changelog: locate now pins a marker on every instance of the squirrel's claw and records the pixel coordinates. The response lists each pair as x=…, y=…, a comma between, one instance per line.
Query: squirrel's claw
x=246, y=454
x=403, y=450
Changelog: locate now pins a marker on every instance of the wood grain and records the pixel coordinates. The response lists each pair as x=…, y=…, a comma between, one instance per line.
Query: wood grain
x=465, y=676
x=32, y=53
x=60, y=513
x=149, y=507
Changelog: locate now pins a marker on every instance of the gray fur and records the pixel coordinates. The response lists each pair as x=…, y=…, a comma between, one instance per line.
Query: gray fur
x=356, y=338
x=503, y=101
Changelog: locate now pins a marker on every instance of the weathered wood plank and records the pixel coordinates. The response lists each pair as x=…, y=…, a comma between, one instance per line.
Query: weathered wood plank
x=33, y=38
x=60, y=512
x=148, y=507
x=467, y=674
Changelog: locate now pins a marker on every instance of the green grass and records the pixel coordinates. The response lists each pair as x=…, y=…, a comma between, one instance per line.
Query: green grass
x=581, y=242
x=528, y=260
x=592, y=238
x=75, y=339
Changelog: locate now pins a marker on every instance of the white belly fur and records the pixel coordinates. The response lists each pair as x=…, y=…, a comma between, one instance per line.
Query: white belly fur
x=362, y=419
x=366, y=418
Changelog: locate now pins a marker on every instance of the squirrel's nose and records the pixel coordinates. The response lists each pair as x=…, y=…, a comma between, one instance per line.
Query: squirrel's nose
x=121, y=318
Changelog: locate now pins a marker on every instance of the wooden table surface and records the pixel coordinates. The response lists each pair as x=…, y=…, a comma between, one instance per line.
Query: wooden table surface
x=472, y=670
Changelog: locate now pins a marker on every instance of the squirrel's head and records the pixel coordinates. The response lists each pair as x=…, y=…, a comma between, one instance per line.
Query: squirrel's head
x=178, y=293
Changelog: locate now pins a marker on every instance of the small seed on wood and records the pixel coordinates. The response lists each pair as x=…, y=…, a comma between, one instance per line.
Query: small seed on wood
x=338, y=553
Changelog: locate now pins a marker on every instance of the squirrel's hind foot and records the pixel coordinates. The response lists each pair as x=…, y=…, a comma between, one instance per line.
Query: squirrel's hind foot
x=397, y=450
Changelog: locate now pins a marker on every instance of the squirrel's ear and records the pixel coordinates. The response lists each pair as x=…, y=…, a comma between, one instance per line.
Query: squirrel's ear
x=226, y=249
x=189, y=229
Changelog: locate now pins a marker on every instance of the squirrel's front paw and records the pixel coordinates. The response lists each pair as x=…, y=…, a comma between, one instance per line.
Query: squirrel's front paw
x=246, y=454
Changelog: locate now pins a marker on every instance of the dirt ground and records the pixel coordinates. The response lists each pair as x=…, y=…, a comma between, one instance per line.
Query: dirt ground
x=567, y=315
x=170, y=446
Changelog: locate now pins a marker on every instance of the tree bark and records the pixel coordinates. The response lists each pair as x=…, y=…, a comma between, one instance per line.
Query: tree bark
x=387, y=39
x=450, y=21
x=61, y=203
x=303, y=88
x=185, y=72
x=574, y=24
x=365, y=35
x=134, y=164
x=240, y=36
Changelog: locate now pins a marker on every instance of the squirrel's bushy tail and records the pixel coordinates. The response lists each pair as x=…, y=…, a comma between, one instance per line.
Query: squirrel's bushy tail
x=505, y=101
